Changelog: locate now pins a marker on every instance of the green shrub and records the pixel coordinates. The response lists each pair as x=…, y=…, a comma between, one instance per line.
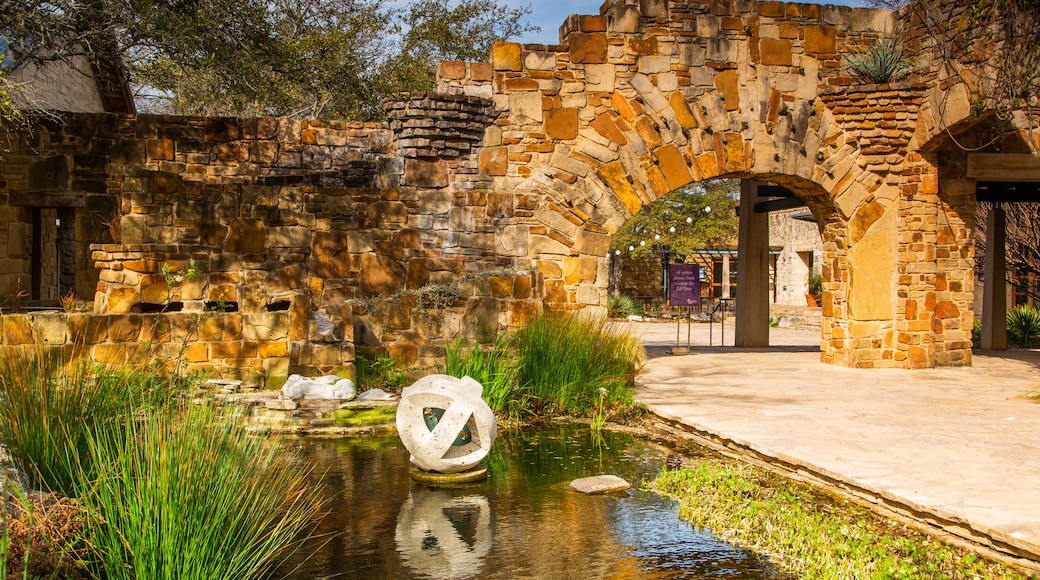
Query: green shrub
x=565, y=360
x=976, y=333
x=623, y=307
x=50, y=410
x=184, y=493
x=378, y=370
x=882, y=62
x=495, y=368
x=1023, y=325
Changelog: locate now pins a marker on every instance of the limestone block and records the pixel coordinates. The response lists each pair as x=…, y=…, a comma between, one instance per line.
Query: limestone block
x=546, y=246
x=587, y=48
x=494, y=160
x=872, y=267
x=726, y=83
x=525, y=107
x=423, y=173
x=330, y=254
x=444, y=423
x=667, y=82
x=121, y=300
x=451, y=70
x=591, y=243
x=499, y=205
x=820, y=40
x=289, y=236
x=561, y=123
x=556, y=221
x=628, y=109
x=600, y=77
x=674, y=167
x=652, y=96
x=721, y=49
x=775, y=52
x=578, y=270
x=596, y=151
x=505, y=56
x=626, y=18
x=380, y=275
x=653, y=64
x=540, y=60
x=616, y=178
x=562, y=160
x=512, y=241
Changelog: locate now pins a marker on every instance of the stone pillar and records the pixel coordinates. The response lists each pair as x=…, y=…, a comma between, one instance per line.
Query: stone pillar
x=994, y=297
x=752, y=271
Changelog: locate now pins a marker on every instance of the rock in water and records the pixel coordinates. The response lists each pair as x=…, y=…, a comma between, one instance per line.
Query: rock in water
x=599, y=484
x=375, y=395
x=328, y=387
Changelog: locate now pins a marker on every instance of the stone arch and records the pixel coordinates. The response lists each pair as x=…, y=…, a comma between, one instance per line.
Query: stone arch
x=644, y=99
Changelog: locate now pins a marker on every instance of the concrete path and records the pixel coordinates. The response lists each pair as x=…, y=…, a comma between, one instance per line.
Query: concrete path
x=954, y=447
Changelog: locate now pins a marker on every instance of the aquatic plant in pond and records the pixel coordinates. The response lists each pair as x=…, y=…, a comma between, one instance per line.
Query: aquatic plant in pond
x=566, y=360
x=496, y=368
x=186, y=494
x=811, y=535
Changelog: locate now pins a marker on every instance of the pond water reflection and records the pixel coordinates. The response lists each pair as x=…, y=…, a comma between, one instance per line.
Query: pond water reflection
x=519, y=523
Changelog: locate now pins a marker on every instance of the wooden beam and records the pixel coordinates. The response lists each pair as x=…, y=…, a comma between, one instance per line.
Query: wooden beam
x=778, y=204
x=1003, y=167
x=1007, y=192
x=47, y=199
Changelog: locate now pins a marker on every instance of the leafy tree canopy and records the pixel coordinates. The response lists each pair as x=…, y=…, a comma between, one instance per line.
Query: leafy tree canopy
x=702, y=215
x=303, y=58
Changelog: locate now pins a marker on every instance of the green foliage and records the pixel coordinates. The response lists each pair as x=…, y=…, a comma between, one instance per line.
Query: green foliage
x=976, y=332
x=882, y=62
x=50, y=411
x=565, y=360
x=248, y=58
x=496, y=368
x=623, y=307
x=683, y=210
x=378, y=370
x=185, y=493
x=810, y=535
x=1023, y=325
x=815, y=283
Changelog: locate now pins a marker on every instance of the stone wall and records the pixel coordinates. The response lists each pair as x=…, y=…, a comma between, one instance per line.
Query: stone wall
x=800, y=246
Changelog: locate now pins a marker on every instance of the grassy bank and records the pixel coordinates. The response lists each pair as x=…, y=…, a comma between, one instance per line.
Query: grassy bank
x=811, y=534
x=148, y=484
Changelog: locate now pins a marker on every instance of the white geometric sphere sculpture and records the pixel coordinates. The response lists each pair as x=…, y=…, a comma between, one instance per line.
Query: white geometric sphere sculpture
x=445, y=424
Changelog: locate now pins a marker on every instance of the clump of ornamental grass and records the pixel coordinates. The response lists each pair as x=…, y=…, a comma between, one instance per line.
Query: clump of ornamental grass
x=882, y=62
x=623, y=307
x=811, y=535
x=565, y=361
x=494, y=367
x=185, y=493
x=1023, y=325
x=51, y=409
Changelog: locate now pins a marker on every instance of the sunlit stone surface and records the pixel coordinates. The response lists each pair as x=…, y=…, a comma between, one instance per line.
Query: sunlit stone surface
x=445, y=424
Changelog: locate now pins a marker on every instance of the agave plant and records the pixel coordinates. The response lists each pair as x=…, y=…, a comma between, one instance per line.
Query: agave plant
x=1023, y=325
x=882, y=62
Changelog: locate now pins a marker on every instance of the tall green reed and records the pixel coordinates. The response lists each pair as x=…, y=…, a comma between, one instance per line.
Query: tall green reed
x=495, y=368
x=185, y=493
x=566, y=360
x=51, y=409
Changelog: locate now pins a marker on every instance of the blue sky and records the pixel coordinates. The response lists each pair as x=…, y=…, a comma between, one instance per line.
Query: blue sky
x=550, y=14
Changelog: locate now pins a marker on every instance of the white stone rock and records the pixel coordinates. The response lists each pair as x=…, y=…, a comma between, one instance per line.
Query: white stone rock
x=375, y=395
x=599, y=484
x=327, y=387
x=463, y=408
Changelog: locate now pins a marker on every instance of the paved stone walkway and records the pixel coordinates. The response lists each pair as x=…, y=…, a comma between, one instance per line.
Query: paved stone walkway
x=956, y=447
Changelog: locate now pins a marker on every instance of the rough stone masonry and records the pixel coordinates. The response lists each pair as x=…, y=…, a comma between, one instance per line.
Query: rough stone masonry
x=510, y=180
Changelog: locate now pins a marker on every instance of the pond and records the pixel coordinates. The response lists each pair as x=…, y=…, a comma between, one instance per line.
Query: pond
x=519, y=523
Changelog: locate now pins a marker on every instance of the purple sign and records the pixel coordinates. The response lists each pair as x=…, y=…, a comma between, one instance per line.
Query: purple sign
x=684, y=284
